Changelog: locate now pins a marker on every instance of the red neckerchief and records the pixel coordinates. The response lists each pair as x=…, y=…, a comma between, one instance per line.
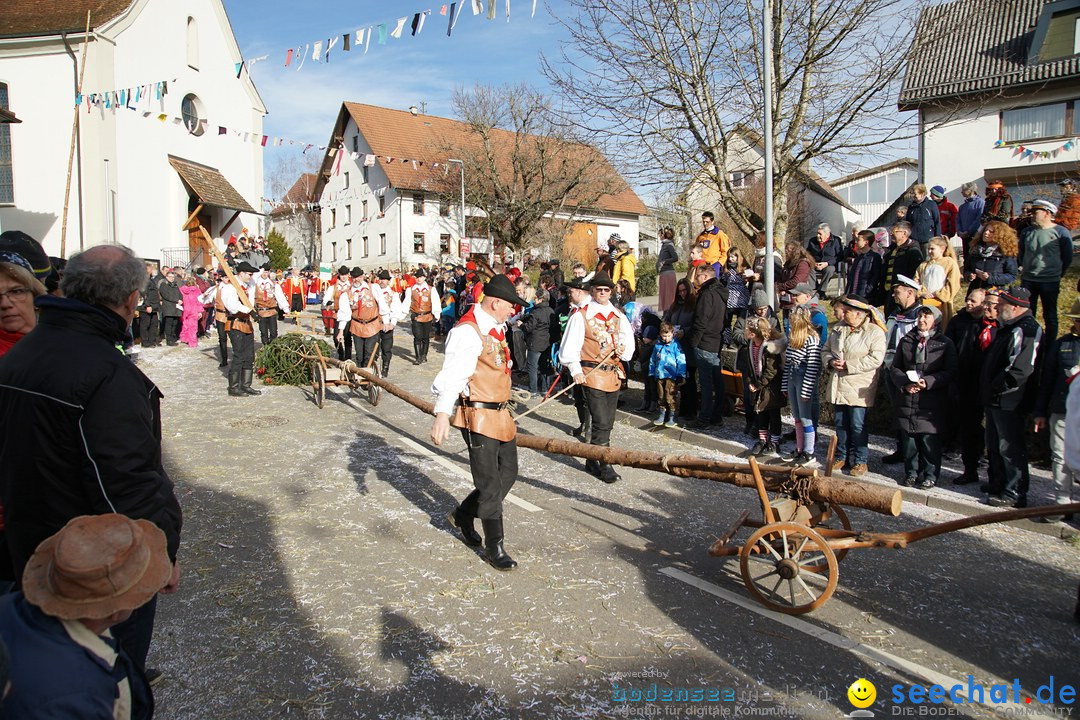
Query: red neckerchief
x=984, y=333
x=499, y=335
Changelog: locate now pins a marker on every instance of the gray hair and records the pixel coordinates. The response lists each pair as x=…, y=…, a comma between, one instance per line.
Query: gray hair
x=970, y=187
x=902, y=225
x=824, y=226
x=103, y=275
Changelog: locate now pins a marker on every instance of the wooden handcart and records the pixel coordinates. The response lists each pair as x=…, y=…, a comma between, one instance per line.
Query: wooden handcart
x=344, y=373
x=790, y=562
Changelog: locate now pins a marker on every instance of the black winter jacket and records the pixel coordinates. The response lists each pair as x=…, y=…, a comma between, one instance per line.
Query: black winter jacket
x=709, y=317
x=1009, y=364
x=150, y=296
x=927, y=410
x=80, y=430
x=1056, y=370
x=537, y=327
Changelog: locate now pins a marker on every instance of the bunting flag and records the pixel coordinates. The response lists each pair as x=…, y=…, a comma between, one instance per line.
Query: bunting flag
x=491, y=9
x=1026, y=152
x=478, y=6
x=124, y=97
x=534, y=9
x=418, y=22
x=398, y=28
x=345, y=42
x=367, y=40
x=442, y=10
x=453, y=18
x=288, y=57
x=382, y=33
x=317, y=53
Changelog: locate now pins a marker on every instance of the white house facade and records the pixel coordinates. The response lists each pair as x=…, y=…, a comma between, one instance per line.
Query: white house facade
x=160, y=80
x=297, y=220
x=383, y=203
x=873, y=192
x=812, y=201
x=1002, y=99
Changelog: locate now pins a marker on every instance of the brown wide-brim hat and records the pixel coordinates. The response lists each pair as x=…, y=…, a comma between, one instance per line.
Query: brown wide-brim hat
x=97, y=565
x=1075, y=311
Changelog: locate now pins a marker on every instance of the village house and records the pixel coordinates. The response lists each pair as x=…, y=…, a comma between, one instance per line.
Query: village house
x=876, y=192
x=382, y=191
x=169, y=123
x=999, y=100
x=297, y=219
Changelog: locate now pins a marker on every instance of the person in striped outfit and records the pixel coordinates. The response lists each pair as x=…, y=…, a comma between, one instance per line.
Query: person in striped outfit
x=802, y=370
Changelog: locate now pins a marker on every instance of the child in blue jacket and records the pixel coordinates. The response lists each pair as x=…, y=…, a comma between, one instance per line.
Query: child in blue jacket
x=668, y=368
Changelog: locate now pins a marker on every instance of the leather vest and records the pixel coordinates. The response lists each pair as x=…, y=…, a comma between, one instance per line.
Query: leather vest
x=366, y=320
x=601, y=337
x=220, y=313
x=239, y=322
x=265, y=302
x=490, y=383
x=420, y=306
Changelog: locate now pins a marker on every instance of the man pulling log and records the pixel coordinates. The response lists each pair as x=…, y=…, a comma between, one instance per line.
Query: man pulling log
x=473, y=393
x=597, y=338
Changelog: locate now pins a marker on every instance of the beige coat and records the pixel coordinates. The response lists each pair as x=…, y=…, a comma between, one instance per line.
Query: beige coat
x=863, y=350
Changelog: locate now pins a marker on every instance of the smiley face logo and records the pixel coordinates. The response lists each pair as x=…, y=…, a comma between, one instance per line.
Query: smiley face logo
x=862, y=693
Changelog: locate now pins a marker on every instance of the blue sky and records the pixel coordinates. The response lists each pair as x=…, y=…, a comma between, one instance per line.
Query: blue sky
x=303, y=104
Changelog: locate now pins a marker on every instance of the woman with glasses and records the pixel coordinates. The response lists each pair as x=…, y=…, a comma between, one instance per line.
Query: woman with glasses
x=18, y=288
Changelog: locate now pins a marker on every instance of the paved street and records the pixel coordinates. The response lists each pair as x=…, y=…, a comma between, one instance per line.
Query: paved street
x=321, y=579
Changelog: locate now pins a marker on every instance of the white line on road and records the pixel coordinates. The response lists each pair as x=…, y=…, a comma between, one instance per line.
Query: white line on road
x=844, y=643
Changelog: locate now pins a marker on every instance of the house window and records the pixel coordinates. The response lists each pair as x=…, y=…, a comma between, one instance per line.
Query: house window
x=364, y=170
x=382, y=206
x=365, y=245
x=858, y=193
x=742, y=178
x=444, y=207
x=418, y=243
x=363, y=209
x=1034, y=123
x=899, y=182
x=7, y=177
x=346, y=186
x=418, y=204
x=191, y=110
x=356, y=143
x=348, y=214
x=444, y=244
x=382, y=243
x=875, y=190
x=192, y=44
x=333, y=252
x=333, y=218
x=348, y=248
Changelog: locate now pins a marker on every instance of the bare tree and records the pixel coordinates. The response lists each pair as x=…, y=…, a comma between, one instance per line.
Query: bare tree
x=530, y=175
x=291, y=183
x=672, y=84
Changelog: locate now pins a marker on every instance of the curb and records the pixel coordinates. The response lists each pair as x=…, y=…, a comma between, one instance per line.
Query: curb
x=911, y=495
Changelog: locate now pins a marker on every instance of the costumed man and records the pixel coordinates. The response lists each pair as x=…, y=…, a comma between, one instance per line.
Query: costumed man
x=221, y=321
x=314, y=288
x=424, y=307
x=268, y=298
x=241, y=332
x=334, y=287
x=295, y=291
x=598, y=339
x=714, y=242
x=472, y=393
x=579, y=298
x=362, y=308
x=394, y=312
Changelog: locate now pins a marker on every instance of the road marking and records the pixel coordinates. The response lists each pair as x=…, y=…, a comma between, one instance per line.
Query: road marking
x=895, y=662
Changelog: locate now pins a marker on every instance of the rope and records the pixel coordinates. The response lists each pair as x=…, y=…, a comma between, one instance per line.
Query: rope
x=568, y=387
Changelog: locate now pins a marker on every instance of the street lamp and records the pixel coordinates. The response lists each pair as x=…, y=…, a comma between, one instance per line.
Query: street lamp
x=766, y=69
x=462, y=164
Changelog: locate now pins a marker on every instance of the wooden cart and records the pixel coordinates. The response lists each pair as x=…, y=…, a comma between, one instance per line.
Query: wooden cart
x=345, y=373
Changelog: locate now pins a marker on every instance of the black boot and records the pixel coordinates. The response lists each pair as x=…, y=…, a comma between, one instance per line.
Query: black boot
x=592, y=467
x=417, y=359
x=608, y=474
x=493, y=544
x=386, y=369
x=234, y=384
x=464, y=523
x=426, y=344
x=246, y=376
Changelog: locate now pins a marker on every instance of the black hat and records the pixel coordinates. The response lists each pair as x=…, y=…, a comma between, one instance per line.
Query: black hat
x=421, y=273
x=384, y=275
x=356, y=272
x=601, y=279
x=343, y=270
x=266, y=266
x=576, y=284
x=501, y=287
x=245, y=266
x=20, y=243
x=1020, y=297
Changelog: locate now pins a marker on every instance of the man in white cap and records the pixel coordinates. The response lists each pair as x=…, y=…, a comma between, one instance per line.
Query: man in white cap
x=80, y=582
x=905, y=304
x=1046, y=251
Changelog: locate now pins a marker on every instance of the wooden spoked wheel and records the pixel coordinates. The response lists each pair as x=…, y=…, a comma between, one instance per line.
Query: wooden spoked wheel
x=318, y=383
x=789, y=568
x=374, y=392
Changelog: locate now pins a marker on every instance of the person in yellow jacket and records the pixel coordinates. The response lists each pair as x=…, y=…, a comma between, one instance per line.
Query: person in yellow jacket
x=625, y=265
x=715, y=242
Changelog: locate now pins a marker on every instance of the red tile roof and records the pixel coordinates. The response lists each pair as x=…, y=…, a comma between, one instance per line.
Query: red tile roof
x=302, y=192
x=22, y=18
x=399, y=134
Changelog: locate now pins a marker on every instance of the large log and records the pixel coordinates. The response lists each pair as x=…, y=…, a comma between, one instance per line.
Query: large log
x=886, y=501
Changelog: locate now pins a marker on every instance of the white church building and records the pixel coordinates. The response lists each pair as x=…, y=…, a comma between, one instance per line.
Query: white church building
x=167, y=126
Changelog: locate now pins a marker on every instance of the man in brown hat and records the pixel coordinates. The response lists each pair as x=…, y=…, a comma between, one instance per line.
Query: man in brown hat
x=473, y=391
x=241, y=333
x=79, y=583
x=596, y=339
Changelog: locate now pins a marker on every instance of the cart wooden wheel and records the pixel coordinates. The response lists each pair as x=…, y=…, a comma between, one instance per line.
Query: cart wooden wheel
x=374, y=392
x=837, y=520
x=318, y=383
x=780, y=567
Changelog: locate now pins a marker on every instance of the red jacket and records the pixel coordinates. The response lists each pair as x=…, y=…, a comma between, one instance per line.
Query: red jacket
x=947, y=211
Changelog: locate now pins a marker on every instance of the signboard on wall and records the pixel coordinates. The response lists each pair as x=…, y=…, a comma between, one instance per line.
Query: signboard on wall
x=463, y=247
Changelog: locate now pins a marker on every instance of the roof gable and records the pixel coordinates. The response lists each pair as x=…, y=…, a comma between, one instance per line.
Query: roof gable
x=411, y=150
x=301, y=193
x=990, y=46
x=29, y=18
